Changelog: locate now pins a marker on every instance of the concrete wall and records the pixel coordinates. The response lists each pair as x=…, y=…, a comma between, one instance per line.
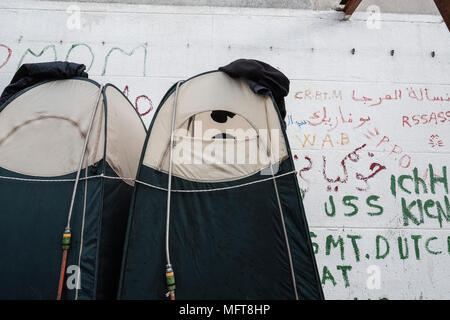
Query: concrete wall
x=369, y=130
x=398, y=6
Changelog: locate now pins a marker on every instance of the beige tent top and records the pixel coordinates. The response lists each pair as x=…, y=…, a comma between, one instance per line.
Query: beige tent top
x=206, y=150
x=43, y=130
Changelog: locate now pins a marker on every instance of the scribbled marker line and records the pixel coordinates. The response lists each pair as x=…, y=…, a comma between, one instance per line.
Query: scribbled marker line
x=126, y=53
x=149, y=109
x=37, y=55
x=81, y=45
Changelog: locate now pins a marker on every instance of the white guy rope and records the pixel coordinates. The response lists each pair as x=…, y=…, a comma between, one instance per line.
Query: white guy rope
x=148, y=184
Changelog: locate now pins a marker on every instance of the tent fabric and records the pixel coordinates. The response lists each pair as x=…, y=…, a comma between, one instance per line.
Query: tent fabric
x=263, y=78
x=124, y=138
x=42, y=132
x=248, y=239
x=226, y=93
x=33, y=122
x=33, y=73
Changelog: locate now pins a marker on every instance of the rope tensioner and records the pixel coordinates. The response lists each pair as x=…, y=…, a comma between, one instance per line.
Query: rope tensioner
x=170, y=277
x=170, y=282
x=66, y=240
x=67, y=235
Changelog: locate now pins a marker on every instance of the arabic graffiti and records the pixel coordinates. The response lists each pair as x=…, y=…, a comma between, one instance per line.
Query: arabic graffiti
x=354, y=157
x=299, y=124
x=421, y=94
x=333, y=122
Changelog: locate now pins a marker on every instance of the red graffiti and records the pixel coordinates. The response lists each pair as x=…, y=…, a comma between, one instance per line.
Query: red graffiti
x=150, y=105
x=8, y=57
x=305, y=169
x=435, y=141
x=404, y=159
x=126, y=91
x=355, y=157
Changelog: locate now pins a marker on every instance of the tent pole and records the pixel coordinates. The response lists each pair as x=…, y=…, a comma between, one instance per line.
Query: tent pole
x=67, y=235
x=280, y=208
x=170, y=278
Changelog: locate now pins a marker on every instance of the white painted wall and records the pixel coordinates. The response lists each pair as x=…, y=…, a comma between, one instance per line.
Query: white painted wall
x=145, y=49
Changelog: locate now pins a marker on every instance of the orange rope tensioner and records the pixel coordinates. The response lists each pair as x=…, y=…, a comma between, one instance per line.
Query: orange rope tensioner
x=65, y=247
x=170, y=281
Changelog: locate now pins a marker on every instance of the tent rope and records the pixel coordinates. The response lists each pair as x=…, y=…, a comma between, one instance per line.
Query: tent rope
x=78, y=280
x=67, y=235
x=170, y=276
x=291, y=265
x=280, y=207
x=151, y=185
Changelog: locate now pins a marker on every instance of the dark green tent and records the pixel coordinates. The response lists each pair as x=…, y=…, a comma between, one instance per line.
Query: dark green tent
x=217, y=201
x=44, y=131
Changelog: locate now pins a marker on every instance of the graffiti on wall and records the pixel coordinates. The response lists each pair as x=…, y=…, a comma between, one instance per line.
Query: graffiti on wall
x=371, y=159
x=372, y=167
x=86, y=54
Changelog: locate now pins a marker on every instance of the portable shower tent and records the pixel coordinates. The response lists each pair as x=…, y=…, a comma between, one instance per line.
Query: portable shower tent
x=235, y=229
x=43, y=130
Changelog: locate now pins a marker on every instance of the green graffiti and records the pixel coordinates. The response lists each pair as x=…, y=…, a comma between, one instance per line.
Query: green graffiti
x=418, y=181
x=416, y=242
x=344, y=270
x=353, y=238
x=375, y=206
x=403, y=255
x=128, y=54
x=434, y=179
x=441, y=212
x=424, y=207
x=347, y=201
x=427, y=246
x=401, y=185
x=302, y=193
x=353, y=203
x=333, y=208
x=407, y=212
x=393, y=186
x=418, y=184
x=37, y=55
x=377, y=241
x=416, y=239
x=330, y=242
x=326, y=275
x=315, y=246
x=76, y=45
x=448, y=244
